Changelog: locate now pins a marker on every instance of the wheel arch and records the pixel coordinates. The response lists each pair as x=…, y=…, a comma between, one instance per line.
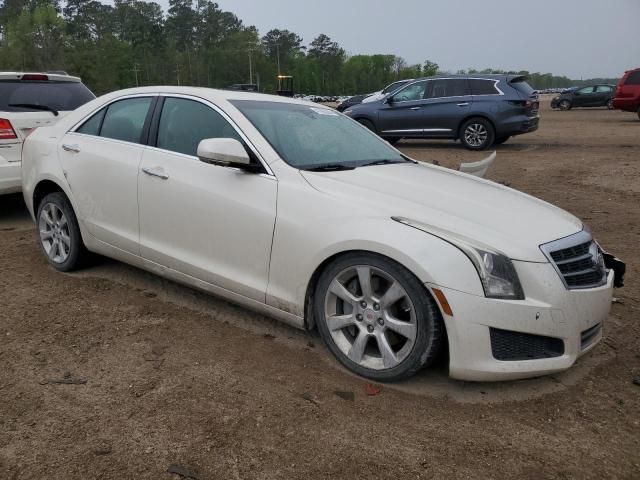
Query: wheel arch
x=310, y=321
x=368, y=119
x=42, y=189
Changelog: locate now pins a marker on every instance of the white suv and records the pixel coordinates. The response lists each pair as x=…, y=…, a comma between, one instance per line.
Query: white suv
x=28, y=101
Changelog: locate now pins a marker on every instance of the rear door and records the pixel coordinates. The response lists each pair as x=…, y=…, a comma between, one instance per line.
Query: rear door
x=403, y=115
x=447, y=102
x=603, y=94
x=584, y=97
x=102, y=159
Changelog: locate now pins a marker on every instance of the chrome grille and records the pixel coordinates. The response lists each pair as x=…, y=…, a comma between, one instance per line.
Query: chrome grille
x=578, y=260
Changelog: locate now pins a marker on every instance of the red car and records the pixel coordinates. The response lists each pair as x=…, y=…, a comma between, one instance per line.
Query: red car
x=627, y=96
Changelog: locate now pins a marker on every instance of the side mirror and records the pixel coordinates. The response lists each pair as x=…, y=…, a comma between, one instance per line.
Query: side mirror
x=227, y=152
x=389, y=100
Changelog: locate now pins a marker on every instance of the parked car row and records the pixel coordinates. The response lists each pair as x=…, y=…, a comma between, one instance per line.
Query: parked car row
x=321, y=98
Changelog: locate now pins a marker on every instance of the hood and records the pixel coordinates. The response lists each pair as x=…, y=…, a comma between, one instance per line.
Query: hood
x=374, y=97
x=509, y=221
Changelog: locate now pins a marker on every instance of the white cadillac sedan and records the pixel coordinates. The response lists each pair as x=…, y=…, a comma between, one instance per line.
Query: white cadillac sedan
x=300, y=213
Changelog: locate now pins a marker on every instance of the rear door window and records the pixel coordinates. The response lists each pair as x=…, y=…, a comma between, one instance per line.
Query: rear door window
x=483, y=87
x=92, y=126
x=585, y=90
x=449, y=87
x=603, y=89
x=124, y=120
x=61, y=96
x=633, y=78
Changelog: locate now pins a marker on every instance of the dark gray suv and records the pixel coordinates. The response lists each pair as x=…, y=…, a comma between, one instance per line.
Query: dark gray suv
x=478, y=110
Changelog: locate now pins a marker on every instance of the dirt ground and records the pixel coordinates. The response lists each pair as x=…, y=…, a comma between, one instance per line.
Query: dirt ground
x=113, y=373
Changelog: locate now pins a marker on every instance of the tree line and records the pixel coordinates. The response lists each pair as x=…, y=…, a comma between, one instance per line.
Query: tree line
x=134, y=42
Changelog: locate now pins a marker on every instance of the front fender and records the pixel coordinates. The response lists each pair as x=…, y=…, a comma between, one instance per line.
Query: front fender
x=298, y=251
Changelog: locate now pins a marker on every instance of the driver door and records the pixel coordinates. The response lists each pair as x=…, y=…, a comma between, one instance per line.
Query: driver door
x=403, y=115
x=210, y=222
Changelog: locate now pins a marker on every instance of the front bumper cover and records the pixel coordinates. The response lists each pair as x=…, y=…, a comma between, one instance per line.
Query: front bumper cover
x=550, y=310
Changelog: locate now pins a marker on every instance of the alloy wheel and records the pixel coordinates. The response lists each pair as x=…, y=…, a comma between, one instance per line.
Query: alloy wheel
x=55, y=236
x=476, y=134
x=370, y=317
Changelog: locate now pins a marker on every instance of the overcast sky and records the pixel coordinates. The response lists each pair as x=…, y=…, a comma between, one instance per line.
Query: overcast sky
x=577, y=38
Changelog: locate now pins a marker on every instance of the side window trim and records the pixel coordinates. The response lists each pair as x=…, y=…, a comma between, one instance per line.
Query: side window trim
x=153, y=137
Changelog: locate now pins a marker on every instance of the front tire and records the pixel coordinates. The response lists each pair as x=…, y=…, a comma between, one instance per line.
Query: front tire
x=59, y=233
x=477, y=134
x=368, y=124
x=377, y=318
x=564, y=105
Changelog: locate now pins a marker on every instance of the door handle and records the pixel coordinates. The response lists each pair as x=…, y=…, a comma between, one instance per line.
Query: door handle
x=156, y=172
x=416, y=108
x=71, y=148
x=465, y=104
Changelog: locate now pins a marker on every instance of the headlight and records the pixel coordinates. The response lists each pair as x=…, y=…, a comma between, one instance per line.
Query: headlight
x=496, y=271
x=497, y=274
x=348, y=111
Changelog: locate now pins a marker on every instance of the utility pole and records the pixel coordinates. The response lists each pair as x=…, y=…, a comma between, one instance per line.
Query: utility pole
x=178, y=73
x=250, y=66
x=135, y=70
x=278, y=55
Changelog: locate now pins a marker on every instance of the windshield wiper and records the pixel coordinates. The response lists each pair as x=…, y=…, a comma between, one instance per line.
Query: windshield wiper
x=383, y=162
x=34, y=106
x=330, y=167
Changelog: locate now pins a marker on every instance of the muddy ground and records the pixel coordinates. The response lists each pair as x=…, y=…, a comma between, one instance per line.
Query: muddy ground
x=113, y=373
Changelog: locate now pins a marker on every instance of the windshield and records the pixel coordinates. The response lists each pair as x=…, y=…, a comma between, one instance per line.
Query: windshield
x=61, y=96
x=395, y=86
x=308, y=137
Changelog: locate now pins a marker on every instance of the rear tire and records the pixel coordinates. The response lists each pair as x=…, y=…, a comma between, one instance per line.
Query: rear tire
x=564, y=105
x=376, y=317
x=477, y=134
x=59, y=233
x=610, y=104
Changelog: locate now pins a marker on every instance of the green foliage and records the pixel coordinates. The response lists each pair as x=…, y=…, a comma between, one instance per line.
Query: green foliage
x=133, y=43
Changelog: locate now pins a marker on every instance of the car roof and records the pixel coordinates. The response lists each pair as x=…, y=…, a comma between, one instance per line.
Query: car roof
x=488, y=76
x=57, y=77
x=211, y=94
